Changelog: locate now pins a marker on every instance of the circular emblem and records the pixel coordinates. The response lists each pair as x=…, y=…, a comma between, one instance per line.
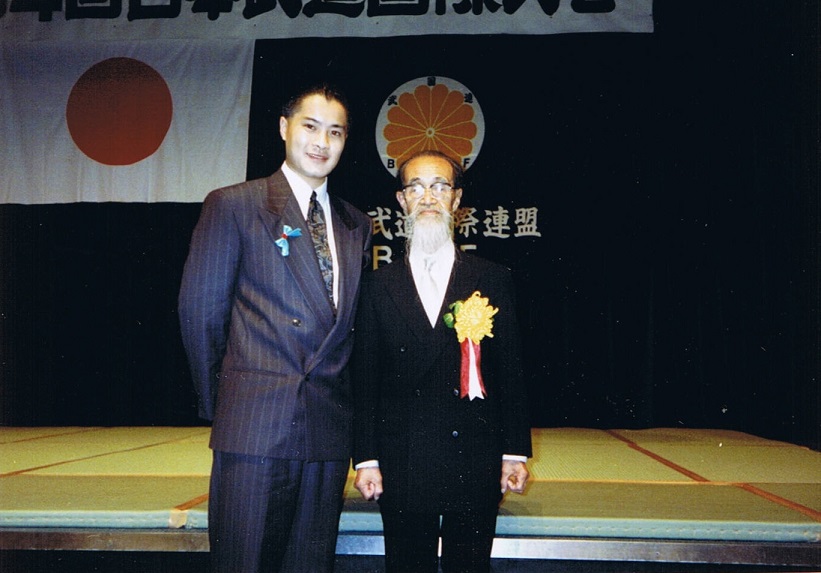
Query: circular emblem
x=429, y=113
x=119, y=111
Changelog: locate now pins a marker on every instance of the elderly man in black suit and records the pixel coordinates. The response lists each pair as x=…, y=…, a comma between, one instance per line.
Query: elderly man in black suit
x=267, y=305
x=441, y=430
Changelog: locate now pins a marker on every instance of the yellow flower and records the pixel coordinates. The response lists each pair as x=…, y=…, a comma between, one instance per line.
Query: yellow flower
x=472, y=318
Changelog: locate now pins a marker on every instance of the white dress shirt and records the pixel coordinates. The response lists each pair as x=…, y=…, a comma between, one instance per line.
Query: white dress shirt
x=442, y=260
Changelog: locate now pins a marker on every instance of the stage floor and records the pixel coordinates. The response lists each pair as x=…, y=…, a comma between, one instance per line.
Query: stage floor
x=677, y=495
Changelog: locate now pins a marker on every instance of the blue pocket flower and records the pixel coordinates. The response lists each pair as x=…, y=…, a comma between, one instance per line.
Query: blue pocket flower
x=282, y=242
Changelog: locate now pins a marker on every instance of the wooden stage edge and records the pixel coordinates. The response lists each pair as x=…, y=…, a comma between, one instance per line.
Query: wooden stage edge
x=544, y=548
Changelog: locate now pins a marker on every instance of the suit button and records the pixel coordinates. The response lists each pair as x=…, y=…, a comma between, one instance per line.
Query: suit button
x=296, y=322
x=402, y=349
x=455, y=434
x=456, y=391
x=418, y=393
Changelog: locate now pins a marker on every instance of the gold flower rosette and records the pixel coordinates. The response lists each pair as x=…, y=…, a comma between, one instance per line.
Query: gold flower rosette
x=473, y=320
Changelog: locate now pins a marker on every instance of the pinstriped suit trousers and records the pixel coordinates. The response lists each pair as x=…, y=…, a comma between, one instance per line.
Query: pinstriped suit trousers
x=271, y=515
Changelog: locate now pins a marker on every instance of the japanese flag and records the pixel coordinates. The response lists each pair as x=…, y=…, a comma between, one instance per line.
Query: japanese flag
x=131, y=122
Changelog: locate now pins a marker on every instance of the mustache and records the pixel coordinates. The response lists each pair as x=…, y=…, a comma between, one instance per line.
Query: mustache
x=430, y=232
x=418, y=208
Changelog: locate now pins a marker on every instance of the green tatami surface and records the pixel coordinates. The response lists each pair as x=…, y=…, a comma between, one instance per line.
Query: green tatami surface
x=653, y=483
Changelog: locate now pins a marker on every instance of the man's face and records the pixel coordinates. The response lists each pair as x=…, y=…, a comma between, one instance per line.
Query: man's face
x=426, y=172
x=314, y=137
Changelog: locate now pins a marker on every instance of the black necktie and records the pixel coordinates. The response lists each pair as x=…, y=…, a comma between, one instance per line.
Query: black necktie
x=319, y=233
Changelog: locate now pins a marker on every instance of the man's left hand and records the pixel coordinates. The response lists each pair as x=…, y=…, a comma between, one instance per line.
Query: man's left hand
x=514, y=476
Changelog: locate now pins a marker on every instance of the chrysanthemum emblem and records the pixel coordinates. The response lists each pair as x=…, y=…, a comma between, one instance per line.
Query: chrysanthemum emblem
x=430, y=113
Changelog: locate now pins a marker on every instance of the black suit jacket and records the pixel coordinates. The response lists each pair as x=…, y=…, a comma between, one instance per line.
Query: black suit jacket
x=267, y=357
x=436, y=451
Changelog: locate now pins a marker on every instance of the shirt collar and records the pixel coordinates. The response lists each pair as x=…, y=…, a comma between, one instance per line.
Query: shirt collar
x=444, y=255
x=302, y=191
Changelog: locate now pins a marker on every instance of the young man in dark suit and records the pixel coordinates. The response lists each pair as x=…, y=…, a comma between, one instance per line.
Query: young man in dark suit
x=267, y=307
x=441, y=430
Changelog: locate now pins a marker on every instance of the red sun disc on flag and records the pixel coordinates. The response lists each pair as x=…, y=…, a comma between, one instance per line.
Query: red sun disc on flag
x=119, y=111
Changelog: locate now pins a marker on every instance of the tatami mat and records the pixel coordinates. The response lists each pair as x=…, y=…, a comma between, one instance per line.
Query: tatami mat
x=654, y=483
x=731, y=456
x=96, y=451
x=92, y=501
x=584, y=461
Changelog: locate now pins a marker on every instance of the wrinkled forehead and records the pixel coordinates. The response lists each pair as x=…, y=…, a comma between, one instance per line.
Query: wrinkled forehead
x=427, y=169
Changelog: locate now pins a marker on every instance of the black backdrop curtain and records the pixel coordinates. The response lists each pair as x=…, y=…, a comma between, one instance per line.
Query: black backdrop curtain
x=675, y=281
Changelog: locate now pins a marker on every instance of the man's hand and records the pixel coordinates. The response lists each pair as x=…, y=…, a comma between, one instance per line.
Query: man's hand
x=514, y=476
x=369, y=483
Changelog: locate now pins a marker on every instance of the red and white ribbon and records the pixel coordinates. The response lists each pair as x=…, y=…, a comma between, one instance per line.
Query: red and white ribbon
x=472, y=385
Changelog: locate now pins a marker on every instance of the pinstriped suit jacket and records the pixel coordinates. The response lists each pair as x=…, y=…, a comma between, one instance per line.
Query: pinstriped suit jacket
x=268, y=360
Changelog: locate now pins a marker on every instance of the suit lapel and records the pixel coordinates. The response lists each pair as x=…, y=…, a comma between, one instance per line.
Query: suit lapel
x=406, y=298
x=462, y=283
x=464, y=279
x=349, y=256
x=282, y=209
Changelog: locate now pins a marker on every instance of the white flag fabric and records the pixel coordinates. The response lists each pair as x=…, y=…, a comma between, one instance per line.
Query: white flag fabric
x=319, y=19
x=156, y=121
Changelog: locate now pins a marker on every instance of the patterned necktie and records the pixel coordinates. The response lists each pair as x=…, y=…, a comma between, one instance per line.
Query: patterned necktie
x=319, y=233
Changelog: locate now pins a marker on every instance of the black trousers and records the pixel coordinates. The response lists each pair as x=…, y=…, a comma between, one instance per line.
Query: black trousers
x=412, y=540
x=273, y=515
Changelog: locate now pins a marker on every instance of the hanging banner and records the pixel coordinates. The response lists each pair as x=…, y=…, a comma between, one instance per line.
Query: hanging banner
x=138, y=122
x=41, y=20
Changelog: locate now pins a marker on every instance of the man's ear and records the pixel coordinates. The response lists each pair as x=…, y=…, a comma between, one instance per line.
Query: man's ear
x=400, y=196
x=457, y=198
x=283, y=126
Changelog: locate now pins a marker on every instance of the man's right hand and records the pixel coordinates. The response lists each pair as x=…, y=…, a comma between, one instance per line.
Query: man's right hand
x=369, y=483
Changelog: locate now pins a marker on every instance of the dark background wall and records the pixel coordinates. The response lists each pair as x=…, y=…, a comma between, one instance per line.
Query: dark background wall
x=675, y=281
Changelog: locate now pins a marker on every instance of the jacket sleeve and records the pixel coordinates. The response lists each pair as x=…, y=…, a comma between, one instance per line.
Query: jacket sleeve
x=516, y=438
x=206, y=295
x=365, y=376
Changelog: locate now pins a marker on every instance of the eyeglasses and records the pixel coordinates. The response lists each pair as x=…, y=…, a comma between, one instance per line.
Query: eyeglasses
x=437, y=189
